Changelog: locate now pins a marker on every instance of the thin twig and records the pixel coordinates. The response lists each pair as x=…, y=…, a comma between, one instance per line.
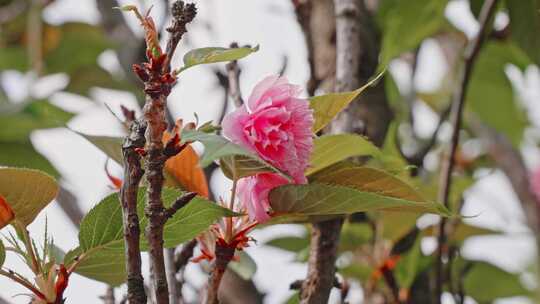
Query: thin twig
x=178, y=204
x=174, y=291
x=470, y=55
x=233, y=74
x=68, y=202
x=182, y=14
x=223, y=81
x=182, y=258
x=417, y=159
x=108, y=298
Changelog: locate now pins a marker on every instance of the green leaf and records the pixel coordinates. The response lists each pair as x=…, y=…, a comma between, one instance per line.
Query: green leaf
x=322, y=199
x=2, y=254
x=79, y=46
x=215, y=54
x=294, y=298
x=357, y=271
x=289, y=243
x=101, y=235
x=238, y=166
x=502, y=284
x=406, y=23
x=18, y=121
x=354, y=235
x=370, y=180
x=331, y=149
x=245, y=267
x=525, y=26
x=326, y=107
x=491, y=96
x=111, y=146
x=394, y=224
x=13, y=58
x=476, y=6
x=463, y=231
x=89, y=77
x=408, y=265
x=236, y=160
x=23, y=154
x=27, y=191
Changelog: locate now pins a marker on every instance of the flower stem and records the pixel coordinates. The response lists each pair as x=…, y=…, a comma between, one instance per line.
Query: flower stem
x=229, y=235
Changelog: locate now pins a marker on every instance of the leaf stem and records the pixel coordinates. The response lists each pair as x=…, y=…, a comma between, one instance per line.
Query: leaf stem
x=36, y=267
x=17, y=278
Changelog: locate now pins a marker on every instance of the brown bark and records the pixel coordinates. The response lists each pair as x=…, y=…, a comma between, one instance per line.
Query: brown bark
x=128, y=197
x=224, y=255
x=236, y=290
x=154, y=114
x=354, y=61
x=157, y=85
x=321, y=265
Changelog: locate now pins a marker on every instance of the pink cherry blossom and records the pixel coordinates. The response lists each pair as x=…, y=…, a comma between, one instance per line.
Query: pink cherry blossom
x=253, y=193
x=276, y=124
x=535, y=183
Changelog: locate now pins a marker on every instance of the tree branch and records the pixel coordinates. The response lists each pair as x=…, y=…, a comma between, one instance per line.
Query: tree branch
x=128, y=197
x=108, y=298
x=181, y=259
x=158, y=83
x=509, y=160
x=68, y=203
x=355, y=61
x=224, y=255
x=182, y=14
x=3, y=301
x=236, y=290
x=174, y=292
x=233, y=74
x=179, y=204
x=321, y=265
x=470, y=55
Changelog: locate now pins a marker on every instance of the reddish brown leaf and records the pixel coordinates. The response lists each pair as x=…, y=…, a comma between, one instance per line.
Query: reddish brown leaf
x=185, y=169
x=6, y=213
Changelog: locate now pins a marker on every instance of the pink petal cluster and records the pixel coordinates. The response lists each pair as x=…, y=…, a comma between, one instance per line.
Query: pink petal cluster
x=535, y=183
x=253, y=193
x=277, y=125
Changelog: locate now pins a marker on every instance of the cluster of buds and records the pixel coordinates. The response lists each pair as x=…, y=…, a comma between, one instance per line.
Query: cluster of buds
x=51, y=278
x=156, y=82
x=155, y=74
x=227, y=235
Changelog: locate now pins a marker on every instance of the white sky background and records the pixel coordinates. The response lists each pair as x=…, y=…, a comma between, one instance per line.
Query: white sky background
x=272, y=25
